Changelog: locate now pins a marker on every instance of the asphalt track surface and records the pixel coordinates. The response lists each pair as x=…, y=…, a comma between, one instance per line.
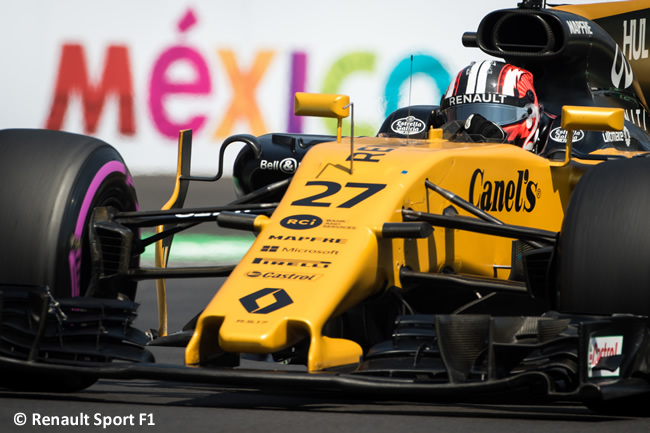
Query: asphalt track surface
x=141, y=405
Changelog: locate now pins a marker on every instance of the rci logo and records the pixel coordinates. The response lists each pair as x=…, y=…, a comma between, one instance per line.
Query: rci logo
x=301, y=222
x=282, y=299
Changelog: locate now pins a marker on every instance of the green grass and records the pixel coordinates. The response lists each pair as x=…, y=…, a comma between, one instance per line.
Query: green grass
x=202, y=249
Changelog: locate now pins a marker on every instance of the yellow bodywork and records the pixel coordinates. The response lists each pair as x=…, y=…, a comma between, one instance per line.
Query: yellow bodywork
x=329, y=264
x=594, y=11
x=322, y=251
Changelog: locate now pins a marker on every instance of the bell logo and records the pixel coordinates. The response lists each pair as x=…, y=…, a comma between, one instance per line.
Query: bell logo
x=301, y=222
x=281, y=300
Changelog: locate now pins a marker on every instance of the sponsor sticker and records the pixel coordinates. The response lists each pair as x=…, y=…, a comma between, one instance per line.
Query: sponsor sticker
x=338, y=224
x=301, y=222
x=291, y=262
x=309, y=251
x=492, y=98
x=638, y=117
x=492, y=195
x=601, y=348
x=559, y=135
x=617, y=136
x=621, y=75
x=408, y=125
x=579, y=27
x=287, y=165
x=275, y=300
x=277, y=248
x=292, y=276
x=315, y=239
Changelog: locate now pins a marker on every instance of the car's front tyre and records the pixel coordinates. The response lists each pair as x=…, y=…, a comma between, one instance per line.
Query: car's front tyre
x=52, y=181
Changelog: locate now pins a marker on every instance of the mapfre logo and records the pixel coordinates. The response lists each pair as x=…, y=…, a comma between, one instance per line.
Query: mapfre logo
x=315, y=239
x=301, y=222
x=494, y=195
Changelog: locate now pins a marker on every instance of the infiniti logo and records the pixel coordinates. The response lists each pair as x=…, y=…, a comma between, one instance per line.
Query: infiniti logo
x=623, y=70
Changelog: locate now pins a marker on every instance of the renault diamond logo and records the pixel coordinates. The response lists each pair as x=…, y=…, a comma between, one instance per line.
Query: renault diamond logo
x=282, y=299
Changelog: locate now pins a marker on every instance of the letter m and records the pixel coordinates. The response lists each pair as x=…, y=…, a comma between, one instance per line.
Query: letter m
x=73, y=79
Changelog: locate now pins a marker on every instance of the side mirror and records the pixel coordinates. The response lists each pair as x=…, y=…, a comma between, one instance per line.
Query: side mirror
x=323, y=105
x=588, y=119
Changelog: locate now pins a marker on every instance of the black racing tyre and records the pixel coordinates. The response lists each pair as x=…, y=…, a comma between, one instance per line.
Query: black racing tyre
x=604, y=245
x=52, y=181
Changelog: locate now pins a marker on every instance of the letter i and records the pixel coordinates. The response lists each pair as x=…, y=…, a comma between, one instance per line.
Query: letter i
x=297, y=84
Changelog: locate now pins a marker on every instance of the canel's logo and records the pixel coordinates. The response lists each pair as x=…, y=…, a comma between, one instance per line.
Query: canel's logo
x=499, y=195
x=301, y=222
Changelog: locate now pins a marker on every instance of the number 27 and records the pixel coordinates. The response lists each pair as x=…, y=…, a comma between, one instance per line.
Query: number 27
x=332, y=188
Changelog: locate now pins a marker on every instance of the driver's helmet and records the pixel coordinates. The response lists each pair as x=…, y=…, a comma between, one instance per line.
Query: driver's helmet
x=500, y=92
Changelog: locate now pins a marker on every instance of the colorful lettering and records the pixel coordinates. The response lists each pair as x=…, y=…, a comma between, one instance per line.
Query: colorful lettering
x=340, y=70
x=72, y=78
x=162, y=86
x=244, y=84
x=421, y=64
x=298, y=79
x=182, y=71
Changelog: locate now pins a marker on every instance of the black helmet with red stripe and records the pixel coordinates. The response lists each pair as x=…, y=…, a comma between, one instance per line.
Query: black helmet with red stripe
x=500, y=92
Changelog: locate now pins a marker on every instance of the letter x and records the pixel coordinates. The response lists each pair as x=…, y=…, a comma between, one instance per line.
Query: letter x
x=244, y=84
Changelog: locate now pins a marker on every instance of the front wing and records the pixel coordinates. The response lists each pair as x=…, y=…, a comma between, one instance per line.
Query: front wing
x=553, y=357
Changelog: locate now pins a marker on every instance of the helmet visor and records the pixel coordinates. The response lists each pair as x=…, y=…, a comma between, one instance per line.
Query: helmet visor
x=498, y=113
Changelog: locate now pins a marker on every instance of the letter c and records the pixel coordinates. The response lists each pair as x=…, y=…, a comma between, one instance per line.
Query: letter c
x=422, y=64
x=472, y=182
x=340, y=70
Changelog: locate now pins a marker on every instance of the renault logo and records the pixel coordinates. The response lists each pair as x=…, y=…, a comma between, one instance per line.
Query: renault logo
x=282, y=299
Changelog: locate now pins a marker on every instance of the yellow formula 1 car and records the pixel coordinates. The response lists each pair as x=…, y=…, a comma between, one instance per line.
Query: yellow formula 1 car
x=428, y=261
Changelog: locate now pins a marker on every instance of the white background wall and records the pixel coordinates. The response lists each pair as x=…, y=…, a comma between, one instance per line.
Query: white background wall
x=33, y=33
